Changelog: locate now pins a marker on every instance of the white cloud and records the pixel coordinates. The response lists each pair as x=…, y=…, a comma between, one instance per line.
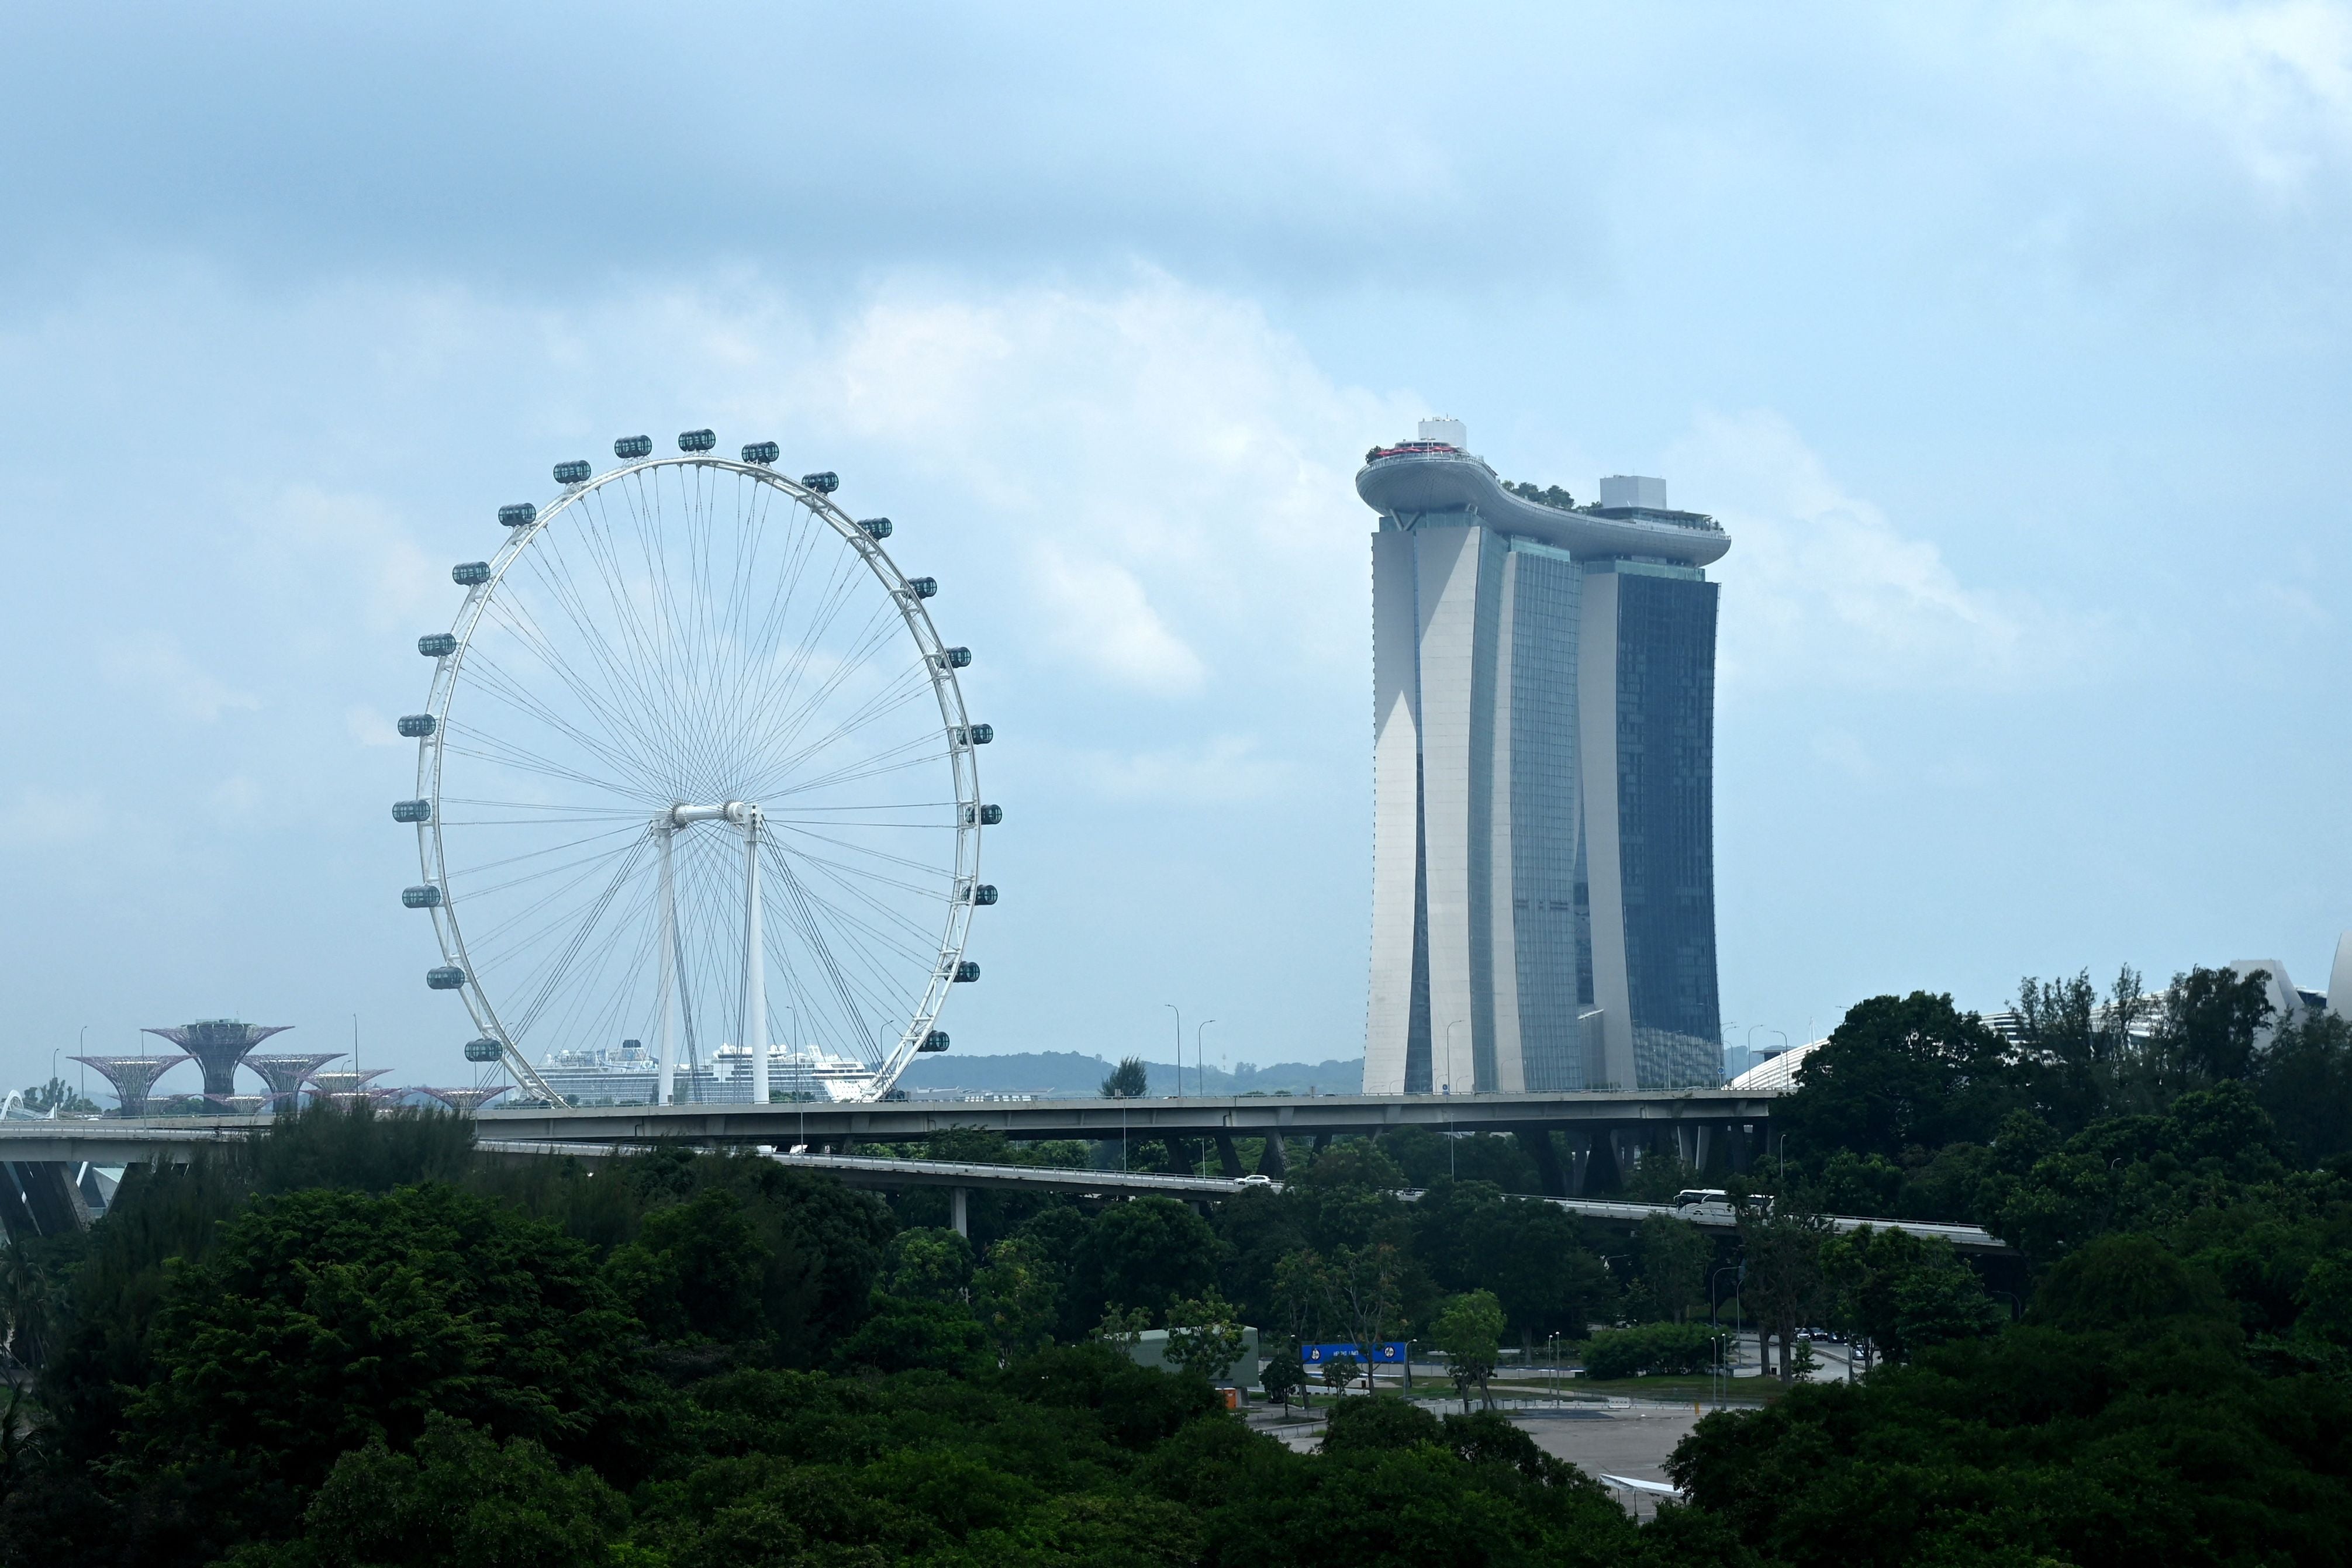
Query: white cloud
x=358, y=550
x=1166, y=430
x=2273, y=82
x=40, y=816
x=1102, y=620
x=154, y=664
x=1824, y=589
x=1227, y=770
x=371, y=727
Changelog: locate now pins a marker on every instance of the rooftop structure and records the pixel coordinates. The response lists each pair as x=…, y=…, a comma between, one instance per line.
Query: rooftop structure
x=242, y=1104
x=1543, y=911
x=218, y=1045
x=132, y=1078
x=284, y=1074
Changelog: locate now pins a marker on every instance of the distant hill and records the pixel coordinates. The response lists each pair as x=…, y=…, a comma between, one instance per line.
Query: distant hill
x=1065, y=1074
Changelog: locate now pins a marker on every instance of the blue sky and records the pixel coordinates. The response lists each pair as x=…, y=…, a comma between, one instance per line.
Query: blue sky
x=2011, y=342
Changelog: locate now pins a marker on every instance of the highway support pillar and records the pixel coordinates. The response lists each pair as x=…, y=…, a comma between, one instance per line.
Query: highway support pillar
x=1274, y=1162
x=1537, y=1141
x=1580, y=1162
x=960, y=1211
x=1229, y=1159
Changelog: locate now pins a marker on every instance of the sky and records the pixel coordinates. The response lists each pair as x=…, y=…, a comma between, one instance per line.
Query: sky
x=2013, y=343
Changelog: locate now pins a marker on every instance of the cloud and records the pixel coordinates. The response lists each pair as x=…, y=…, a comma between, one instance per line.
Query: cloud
x=1104, y=621
x=356, y=545
x=1824, y=589
x=41, y=817
x=155, y=664
x=1168, y=431
x=1227, y=770
x=371, y=727
x=2272, y=83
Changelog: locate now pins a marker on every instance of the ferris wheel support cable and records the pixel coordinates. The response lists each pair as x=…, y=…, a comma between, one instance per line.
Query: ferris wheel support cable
x=816, y=942
x=860, y=938
x=786, y=705
x=779, y=720
x=477, y=869
x=571, y=952
x=613, y=708
x=834, y=597
x=496, y=684
x=884, y=704
x=925, y=949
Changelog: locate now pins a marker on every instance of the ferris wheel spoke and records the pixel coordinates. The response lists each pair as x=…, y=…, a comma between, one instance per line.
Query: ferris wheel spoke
x=918, y=948
x=499, y=685
x=579, y=940
x=853, y=885
x=797, y=904
x=871, y=854
x=815, y=638
x=791, y=752
x=897, y=760
x=628, y=708
x=782, y=778
x=600, y=706
x=780, y=731
x=784, y=697
x=483, y=747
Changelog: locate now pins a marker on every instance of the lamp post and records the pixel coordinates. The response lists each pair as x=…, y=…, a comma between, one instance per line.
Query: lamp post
x=1450, y=1139
x=1199, y=1076
x=1179, y=1046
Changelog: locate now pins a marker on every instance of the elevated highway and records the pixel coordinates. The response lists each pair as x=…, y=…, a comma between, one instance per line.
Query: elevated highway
x=1562, y=1131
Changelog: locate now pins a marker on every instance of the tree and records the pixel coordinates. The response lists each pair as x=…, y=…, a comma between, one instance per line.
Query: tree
x=1674, y=1254
x=697, y=1271
x=27, y=1302
x=1364, y=1283
x=1147, y=1253
x=1341, y=1370
x=321, y=1322
x=1016, y=1296
x=1283, y=1376
x=927, y=1264
x=1470, y=1331
x=1122, y=1330
x=460, y=1500
x=1131, y=1079
x=2305, y=1081
x=61, y=1097
x=2207, y=1023
x=1899, y=1072
x=1783, y=1283
x=1302, y=1293
x=1203, y=1335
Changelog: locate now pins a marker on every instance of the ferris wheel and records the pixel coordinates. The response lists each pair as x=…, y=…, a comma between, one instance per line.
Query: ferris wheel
x=695, y=771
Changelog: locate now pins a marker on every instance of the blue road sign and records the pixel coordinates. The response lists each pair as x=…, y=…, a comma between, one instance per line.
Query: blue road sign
x=1389, y=1353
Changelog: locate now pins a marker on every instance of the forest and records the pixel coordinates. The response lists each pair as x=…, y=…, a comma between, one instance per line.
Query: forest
x=359, y=1341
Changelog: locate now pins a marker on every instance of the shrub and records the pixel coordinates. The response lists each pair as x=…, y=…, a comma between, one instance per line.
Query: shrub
x=1652, y=1347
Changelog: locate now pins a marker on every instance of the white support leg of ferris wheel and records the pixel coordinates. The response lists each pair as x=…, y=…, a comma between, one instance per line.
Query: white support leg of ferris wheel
x=667, y=1093
x=755, y=967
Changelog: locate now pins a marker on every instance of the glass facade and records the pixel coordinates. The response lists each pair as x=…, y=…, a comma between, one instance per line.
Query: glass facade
x=1665, y=794
x=1550, y=926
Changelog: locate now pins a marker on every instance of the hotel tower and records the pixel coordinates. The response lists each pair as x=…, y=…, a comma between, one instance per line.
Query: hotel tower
x=1543, y=674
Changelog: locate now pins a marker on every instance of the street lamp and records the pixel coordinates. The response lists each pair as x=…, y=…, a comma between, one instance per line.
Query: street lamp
x=1450, y=1140
x=1179, y=1046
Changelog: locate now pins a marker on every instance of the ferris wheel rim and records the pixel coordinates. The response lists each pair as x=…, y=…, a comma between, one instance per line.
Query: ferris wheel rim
x=939, y=670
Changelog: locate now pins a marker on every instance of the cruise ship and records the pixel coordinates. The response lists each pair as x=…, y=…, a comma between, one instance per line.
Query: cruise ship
x=627, y=1074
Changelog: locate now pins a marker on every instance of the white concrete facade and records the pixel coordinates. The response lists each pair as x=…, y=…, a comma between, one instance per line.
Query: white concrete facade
x=1512, y=949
